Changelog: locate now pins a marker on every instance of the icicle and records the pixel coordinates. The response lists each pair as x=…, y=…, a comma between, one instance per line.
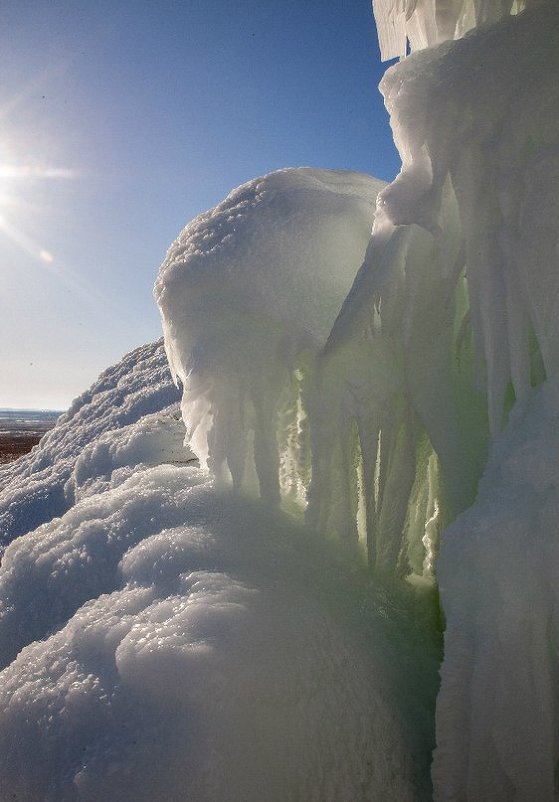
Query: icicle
x=425, y=23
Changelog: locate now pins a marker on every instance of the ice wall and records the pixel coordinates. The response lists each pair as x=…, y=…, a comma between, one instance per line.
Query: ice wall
x=457, y=298
x=497, y=716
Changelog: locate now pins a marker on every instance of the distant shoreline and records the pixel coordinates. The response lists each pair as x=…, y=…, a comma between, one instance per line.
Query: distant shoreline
x=14, y=446
x=21, y=429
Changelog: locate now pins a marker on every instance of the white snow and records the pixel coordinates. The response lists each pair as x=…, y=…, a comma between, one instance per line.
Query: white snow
x=33, y=488
x=163, y=640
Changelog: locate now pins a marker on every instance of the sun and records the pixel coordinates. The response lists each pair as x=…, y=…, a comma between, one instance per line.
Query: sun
x=17, y=179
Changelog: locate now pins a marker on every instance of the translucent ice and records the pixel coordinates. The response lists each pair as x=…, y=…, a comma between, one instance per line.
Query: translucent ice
x=477, y=126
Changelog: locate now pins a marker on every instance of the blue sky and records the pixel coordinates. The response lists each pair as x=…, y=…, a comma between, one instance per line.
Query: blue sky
x=122, y=121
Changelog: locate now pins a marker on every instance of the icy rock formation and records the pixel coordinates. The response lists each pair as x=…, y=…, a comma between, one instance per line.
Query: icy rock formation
x=32, y=489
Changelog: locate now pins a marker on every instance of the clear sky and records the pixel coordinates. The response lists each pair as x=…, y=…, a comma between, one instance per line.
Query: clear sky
x=120, y=121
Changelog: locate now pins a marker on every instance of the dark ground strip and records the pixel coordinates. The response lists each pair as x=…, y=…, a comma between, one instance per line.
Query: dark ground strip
x=13, y=447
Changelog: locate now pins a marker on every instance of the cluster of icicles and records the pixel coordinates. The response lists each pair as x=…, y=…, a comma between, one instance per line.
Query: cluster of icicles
x=381, y=428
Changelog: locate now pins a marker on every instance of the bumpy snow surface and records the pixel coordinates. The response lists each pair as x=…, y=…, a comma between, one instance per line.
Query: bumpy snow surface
x=162, y=640
x=44, y=483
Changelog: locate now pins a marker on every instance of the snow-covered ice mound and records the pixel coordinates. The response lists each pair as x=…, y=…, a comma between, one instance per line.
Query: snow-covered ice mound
x=247, y=293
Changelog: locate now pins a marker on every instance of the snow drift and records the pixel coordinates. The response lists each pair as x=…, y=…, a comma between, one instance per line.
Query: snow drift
x=161, y=643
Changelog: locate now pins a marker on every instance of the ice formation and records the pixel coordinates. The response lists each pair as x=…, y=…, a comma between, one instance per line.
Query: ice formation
x=383, y=360
x=476, y=123
x=497, y=715
x=423, y=23
x=450, y=325
x=248, y=294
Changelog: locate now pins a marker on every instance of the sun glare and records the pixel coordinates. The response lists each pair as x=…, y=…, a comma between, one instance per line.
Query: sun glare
x=17, y=182
x=20, y=205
